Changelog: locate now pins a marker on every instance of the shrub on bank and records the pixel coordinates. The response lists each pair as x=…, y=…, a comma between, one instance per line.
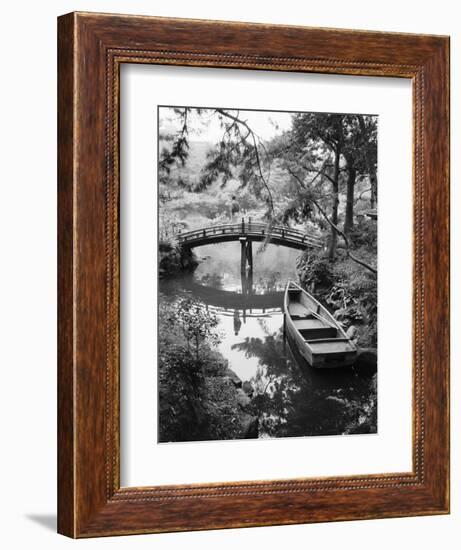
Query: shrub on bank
x=174, y=259
x=200, y=398
x=347, y=290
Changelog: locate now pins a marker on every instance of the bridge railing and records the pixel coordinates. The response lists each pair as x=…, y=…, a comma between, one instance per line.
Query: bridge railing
x=248, y=227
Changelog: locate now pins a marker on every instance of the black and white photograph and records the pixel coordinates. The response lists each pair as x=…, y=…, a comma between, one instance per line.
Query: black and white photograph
x=227, y=254
x=267, y=263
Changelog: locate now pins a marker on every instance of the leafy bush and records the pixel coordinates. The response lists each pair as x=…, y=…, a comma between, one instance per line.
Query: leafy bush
x=364, y=233
x=174, y=258
x=315, y=270
x=345, y=288
x=364, y=414
x=180, y=414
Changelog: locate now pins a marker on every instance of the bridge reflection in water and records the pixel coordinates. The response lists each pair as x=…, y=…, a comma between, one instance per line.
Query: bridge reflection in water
x=228, y=302
x=247, y=304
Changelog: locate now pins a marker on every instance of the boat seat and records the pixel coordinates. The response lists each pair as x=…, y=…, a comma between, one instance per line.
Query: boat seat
x=331, y=347
x=318, y=334
x=313, y=328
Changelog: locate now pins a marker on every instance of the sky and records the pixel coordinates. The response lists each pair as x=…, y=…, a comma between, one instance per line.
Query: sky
x=206, y=127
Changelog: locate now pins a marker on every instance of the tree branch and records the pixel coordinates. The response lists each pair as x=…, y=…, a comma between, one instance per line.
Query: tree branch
x=258, y=160
x=322, y=171
x=335, y=227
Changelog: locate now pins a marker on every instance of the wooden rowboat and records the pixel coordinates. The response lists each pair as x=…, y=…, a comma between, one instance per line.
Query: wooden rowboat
x=314, y=332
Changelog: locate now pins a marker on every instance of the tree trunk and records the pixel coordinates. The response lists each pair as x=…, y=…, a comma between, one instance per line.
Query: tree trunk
x=349, y=220
x=334, y=211
x=370, y=166
x=374, y=190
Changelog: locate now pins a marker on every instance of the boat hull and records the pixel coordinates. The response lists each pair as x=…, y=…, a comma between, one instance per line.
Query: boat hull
x=321, y=353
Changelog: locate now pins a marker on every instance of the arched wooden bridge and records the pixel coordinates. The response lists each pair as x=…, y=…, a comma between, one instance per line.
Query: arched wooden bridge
x=250, y=231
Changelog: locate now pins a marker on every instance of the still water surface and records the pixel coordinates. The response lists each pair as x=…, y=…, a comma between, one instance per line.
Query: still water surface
x=298, y=400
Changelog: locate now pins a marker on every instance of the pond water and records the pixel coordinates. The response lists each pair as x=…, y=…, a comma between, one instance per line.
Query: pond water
x=221, y=268
x=293, y=399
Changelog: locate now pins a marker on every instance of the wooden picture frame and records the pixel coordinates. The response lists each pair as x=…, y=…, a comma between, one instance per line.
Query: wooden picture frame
x=91, y=49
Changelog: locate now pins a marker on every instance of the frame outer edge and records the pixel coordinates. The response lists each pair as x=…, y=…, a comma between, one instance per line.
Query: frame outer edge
x=437, y=265
x=66, y=293
x=85, y=508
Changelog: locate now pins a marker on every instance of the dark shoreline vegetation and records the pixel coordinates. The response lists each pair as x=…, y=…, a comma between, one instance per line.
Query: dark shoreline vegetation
x=175, y=259
x=200, y=396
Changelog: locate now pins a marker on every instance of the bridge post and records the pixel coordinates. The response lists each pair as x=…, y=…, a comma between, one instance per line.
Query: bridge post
x=250, y=283
x=243, y=225
x=243, y=255
x=246, y=256
x=249, y=254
